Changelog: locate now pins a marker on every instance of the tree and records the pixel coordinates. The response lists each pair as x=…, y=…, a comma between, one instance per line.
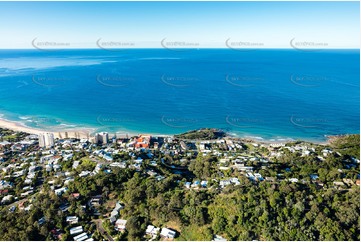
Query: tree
x=133, y=227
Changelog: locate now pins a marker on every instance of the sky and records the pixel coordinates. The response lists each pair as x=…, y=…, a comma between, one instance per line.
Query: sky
x=179, y=24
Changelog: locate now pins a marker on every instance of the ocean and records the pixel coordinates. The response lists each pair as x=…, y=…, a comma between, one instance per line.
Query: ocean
x=271, y=94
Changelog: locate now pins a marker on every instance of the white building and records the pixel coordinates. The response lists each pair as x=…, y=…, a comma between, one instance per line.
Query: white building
x=102, y=137
x=46, y=140
x=81, y=237
x=76, y=230
x=152, y=230
x=72, y=219
x=168, y=233
x=120, y=224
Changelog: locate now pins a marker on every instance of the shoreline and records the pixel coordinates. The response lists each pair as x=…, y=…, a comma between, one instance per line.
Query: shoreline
x=66, y=133
x=86, y=133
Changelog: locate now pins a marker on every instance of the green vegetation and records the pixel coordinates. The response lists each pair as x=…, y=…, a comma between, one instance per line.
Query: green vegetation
x=277, y=209
x=347, y=145
x=202, y=134
x=11, y=136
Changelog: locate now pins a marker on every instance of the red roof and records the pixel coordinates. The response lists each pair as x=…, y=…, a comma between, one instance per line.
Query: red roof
x=4, y=191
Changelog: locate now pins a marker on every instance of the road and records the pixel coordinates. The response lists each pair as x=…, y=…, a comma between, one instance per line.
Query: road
x=100, y=228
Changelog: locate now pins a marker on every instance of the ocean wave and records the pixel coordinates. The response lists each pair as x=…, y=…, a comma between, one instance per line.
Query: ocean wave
x=255, y=137
x=67, y=125
x=233, y=134
x=28, y=64
x=285, y=139
x=159, y=58
x=24, y=117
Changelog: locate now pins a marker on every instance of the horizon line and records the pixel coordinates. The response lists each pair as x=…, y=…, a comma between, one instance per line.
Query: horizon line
x=95, y=48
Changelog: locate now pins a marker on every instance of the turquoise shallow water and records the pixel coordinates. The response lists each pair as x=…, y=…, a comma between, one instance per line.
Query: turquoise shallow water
x=270, y=94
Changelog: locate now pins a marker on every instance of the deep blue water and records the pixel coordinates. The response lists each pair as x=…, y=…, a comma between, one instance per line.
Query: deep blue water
x=272, y=94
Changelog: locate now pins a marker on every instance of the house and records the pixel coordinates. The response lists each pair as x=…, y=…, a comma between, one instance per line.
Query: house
x=115, y=212
x=5, y=184
x=57, y=234
x=159, y=178
x=72, y=219
x=64, y=207
x=19, y=147
x=4, y=143
x=242, y=167
x=108, y=157
x=49, y=167
x=32, y=168
x=224, y=160
x=293, y=180
x=277, y=145
x=306, y=153
x=41, y=221
x=98, y=168
x=349, y=182
x=19, y=173
x=120, y=224
x=168, y=233
x=270, y=179
x=68, y=180
x=224, y=168
x=81, y=237
x=258, y=176
x=27, y=188
x=60, y=191
x=139, y=160
x=76, y=230
x=12, y=209
x=218, y=238
x=21, y=205
x=117, y=164
x=151, y=230
x=76, y=164
x=24, y=194
x=4, y=192
x=336, y=183
x=75, y=195
x=142, y=141
x=84, y=173
x=57, y=167
x=235, y=181
x=195, y=184
x=152, y=173
x=7, y=199
x=314, y=176
x=204, y=183
x=187, y=184
x=224, y=183
x=95, y=201
x=28, y=207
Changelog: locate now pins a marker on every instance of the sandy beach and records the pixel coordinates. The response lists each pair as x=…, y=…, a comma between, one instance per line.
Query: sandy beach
x=17, y=126
x=84, y=133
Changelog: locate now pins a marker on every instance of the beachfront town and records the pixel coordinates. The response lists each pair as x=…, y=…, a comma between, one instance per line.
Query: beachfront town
x=33, y=167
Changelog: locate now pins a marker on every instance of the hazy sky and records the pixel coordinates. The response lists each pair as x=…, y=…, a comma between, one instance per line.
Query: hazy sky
x=206, y=24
